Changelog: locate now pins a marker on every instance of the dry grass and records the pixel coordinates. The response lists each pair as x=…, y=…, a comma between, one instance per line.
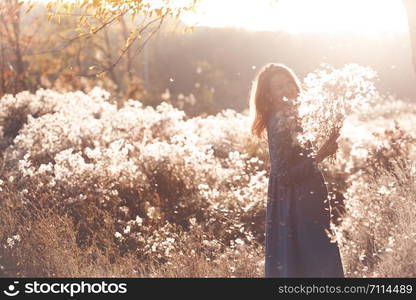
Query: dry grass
x=48, y=248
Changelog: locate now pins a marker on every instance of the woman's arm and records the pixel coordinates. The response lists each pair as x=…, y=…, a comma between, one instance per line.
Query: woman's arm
x=307, y=166
x=329, y=147
x=279, y=150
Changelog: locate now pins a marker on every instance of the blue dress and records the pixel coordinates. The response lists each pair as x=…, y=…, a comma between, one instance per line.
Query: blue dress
x=297, y=212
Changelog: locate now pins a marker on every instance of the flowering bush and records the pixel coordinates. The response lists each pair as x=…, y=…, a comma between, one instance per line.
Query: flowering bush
x=376, y=159
x=144, y=171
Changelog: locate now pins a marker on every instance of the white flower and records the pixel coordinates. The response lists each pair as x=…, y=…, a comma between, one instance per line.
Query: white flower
x=139, y=220
x=192, y=221
x=12, y=241
x=239, y=242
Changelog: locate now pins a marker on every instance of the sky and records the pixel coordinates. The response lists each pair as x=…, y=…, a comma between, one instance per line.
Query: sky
x=299, y=16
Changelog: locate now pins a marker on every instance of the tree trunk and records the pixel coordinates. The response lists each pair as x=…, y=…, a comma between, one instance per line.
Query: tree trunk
x=111, y=68
x=20, y=69
x=410, y=7
x=128, y=60
x=2, y=67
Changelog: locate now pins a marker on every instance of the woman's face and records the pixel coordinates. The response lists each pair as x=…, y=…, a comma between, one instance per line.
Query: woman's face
x=280, y=86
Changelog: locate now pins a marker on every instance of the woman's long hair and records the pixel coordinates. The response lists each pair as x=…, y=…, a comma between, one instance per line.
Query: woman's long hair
x=260, y=102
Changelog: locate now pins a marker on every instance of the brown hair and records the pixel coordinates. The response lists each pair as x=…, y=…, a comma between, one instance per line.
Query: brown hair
x=259, y=102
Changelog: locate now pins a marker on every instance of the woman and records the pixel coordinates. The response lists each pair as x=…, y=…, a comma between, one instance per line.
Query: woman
x=297, y=213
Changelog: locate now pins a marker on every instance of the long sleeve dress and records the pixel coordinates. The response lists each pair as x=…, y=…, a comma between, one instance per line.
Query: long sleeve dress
x=297, y=212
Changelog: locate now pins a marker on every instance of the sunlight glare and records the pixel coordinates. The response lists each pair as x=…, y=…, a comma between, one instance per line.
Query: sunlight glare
x=297, y=16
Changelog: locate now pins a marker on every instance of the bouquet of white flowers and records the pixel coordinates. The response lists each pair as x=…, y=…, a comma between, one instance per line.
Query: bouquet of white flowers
x=328, y=96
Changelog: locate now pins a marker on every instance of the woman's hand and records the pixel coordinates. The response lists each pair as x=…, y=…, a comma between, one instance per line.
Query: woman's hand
x=329, y=147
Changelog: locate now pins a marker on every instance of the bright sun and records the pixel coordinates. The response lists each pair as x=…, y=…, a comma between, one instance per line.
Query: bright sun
x=297, y=16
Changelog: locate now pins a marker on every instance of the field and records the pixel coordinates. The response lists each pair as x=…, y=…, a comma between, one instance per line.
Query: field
x=88, y=188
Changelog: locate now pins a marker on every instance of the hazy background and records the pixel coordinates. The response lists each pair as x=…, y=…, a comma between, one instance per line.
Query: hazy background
x=216, y=61
x=229, y=59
